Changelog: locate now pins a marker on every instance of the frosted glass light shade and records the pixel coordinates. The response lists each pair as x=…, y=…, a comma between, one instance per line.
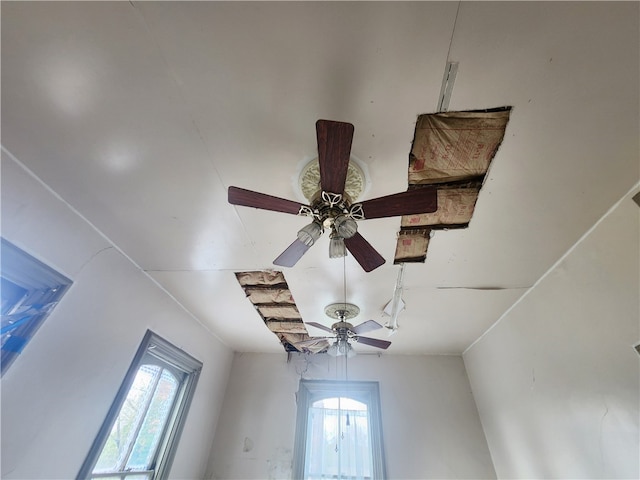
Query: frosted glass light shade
x=346, y=227
x=337, y=248
x=341, y=347
x=333, y=350
x=310, y=233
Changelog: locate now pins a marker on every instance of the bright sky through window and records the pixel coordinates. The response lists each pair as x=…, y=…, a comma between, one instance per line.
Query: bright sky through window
x=338, y=444
x=338, y=431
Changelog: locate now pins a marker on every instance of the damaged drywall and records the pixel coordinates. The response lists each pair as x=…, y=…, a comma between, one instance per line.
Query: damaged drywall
x=269, y=293
x=452, y=150
x=454, y=146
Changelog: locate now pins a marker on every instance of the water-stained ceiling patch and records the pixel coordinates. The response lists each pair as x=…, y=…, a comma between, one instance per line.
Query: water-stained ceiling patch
x=269, y=293
x=453, y=150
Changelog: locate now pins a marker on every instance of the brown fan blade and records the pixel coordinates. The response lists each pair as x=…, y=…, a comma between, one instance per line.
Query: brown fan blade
x=411, y=202
x=292, y=254
x=249, y=198
x=320, y=326
x=367, y=326
x=367, y=256
x=334, y=148
x=374, y=342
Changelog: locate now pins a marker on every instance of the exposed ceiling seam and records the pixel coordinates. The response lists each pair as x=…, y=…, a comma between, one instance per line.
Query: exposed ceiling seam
x=450, y=71
x=555, y=265
x=105, y=237
x=453, y=31
x=174, y=77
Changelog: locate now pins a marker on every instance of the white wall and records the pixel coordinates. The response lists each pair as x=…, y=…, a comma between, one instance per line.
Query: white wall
x=57, y=392
x=556, y=381
x=430, y=423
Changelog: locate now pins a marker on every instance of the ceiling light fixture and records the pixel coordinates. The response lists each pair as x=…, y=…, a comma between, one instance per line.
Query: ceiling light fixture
x=341, y=347
x=332, y=200
x=310, y=233
x=343, y=330
x=337, y=248
x=334, y=218
x=346, y=227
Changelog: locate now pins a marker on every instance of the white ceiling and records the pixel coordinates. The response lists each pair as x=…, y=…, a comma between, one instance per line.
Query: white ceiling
x=141, y=114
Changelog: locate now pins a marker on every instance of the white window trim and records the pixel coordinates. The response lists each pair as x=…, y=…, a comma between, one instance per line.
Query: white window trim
x=365, y=392
x=164, y=353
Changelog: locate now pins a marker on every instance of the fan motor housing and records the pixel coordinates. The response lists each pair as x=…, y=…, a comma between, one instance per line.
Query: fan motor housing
x=341, y=326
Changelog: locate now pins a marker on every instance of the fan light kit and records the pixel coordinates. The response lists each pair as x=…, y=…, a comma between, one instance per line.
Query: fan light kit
x=344, y=332
x=331, y=206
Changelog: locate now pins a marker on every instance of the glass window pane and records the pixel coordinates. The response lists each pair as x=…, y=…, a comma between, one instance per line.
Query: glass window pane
x=154, y=423
x=12, y=294
x=140, y=434
x=344, y=403
x=119, y=442
x=29, y=290
x=338, y=443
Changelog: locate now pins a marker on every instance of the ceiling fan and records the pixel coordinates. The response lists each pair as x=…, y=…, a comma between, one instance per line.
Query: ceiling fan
x=344, y=332
x=331, y=208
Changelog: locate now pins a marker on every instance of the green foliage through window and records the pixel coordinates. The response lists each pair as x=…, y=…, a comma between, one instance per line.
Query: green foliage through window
x=139, y=436
x=140, y=423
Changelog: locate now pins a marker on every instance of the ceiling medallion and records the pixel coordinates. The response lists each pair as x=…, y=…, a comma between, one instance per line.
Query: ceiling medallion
x=309, y=180
x=341, y=311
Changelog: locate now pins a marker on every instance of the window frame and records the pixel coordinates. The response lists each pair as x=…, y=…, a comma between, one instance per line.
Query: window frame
x=366, y=392
x=153, y=349
x=43, y=288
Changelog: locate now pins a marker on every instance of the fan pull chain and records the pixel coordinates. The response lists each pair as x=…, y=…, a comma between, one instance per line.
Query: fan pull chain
x=344, y=279
x=346, y=369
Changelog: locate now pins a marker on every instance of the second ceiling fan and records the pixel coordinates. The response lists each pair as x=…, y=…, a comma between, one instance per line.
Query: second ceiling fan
x=331, y=208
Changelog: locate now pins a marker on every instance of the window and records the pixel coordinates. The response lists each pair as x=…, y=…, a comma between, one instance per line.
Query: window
x=137, y=441
x=338, y=431
x=29, y=290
